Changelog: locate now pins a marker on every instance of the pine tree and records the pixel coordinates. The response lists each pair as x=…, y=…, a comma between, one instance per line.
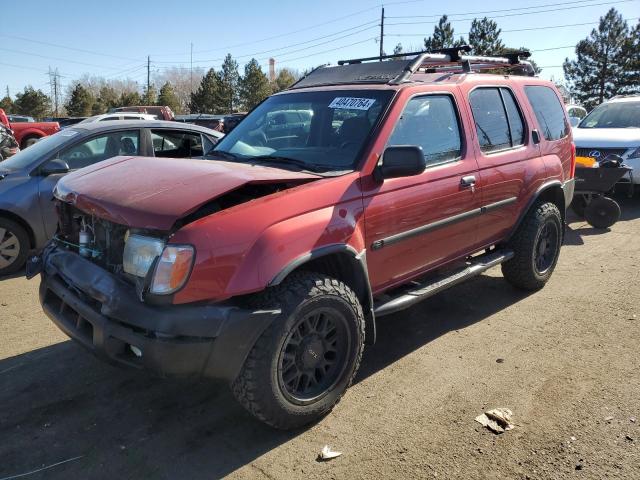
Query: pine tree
x=129, y=98
x=80, y=102
x=254, y=85
x=631, y=53
x=7, y=104
x=600, y=69
x=208, y=98
x=32, y=102
x=443, y=36
x=107, y=98
x=283, y=80
x=150, y=96
x=169, y=98
x=230, y=80
x=484, y=37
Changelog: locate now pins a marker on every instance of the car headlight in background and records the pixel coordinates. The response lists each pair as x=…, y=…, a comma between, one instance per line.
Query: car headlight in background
x=173, y=269
x=635, y=153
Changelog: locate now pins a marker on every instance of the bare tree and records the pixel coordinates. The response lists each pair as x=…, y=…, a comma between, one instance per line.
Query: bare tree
x=180, y=80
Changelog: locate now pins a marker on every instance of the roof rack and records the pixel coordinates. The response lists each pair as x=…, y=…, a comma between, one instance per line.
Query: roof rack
x=398, y=68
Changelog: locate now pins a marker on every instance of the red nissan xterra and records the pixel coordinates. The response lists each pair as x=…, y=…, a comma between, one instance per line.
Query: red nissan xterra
x=28, y=133
x=361, y=190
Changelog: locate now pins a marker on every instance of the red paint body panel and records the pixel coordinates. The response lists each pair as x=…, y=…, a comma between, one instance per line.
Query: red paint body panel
x=24, y=130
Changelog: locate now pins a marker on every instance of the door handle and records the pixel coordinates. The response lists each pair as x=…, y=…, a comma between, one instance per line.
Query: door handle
x=468, y=181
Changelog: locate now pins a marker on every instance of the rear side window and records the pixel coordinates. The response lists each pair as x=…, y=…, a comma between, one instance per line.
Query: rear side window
x=549, y=112
x=498, y=119
x=176, y=144
x=430, y=122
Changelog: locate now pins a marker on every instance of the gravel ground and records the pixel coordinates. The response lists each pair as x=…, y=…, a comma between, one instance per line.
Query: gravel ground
x=564, y=360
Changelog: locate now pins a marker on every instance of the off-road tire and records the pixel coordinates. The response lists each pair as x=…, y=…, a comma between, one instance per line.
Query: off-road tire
x=258, y=386
x=521, y=270
x=18, y=232
x=602, y=212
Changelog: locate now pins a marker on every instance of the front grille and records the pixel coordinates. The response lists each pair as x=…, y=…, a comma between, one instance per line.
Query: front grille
x=601, y=154
x=72, y=319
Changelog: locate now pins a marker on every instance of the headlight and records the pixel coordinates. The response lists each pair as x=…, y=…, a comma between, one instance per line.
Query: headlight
x=173, y=269
x=635, y=153
x=140, y=253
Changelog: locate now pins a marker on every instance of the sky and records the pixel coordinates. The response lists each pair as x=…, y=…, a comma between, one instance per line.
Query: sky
x=113, y=39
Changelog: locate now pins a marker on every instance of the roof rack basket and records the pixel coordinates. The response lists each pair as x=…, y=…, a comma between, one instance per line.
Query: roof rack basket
x=398, y=68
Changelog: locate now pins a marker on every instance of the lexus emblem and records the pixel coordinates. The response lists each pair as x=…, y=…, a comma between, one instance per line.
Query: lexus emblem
x=594, y=154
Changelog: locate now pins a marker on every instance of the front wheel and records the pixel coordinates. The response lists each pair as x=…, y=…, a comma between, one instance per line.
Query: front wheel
x=14, y=246
x=536, y=246
x=302, y=364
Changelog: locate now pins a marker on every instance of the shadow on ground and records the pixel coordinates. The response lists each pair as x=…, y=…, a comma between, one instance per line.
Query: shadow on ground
x=59, y=402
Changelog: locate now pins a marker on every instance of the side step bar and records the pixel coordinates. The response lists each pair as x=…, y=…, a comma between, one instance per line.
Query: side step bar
x=418, y=292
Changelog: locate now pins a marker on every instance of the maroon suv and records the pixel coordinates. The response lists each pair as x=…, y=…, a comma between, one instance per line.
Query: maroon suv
x=361, y=190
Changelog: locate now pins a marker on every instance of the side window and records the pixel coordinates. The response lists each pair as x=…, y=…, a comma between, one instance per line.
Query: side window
x=491, y=119
x=101, y=148
x=176, y=144
x=516, y=125
x=430, y=122
x=549, y=112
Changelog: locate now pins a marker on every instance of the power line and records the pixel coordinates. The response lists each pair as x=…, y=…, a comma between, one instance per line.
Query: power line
x=288, y=60
x=47, y=57
x=515, y=14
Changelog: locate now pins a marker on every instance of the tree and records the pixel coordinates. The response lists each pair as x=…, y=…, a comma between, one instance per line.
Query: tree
x=208, y=98
x=80, y=102
x=484, y=37
x=631, y=77
x=184, y=82
x=443, y=36
x=149, y=96
x=32, y=102
x=107, y=98
x=283, y=80
x=7, y=104
x=504, y=50
x=230, y=80
x=129, y=98
x=254, y=85
x=600, y=69
x=168, y=97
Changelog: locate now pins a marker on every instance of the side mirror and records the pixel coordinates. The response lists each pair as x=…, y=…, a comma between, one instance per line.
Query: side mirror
x=54, y=166
x=402, y=161
x=574, y=121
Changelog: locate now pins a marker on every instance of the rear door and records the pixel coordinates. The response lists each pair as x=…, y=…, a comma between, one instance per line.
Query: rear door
x=417, y=223
x=506, y=155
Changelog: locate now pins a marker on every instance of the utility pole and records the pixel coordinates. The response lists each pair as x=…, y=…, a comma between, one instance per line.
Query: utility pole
x=382, y=34
x=55, y=91
x=148, y=77
x=191, y=71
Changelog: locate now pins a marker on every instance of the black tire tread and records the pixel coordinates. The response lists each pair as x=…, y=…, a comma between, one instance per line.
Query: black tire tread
x=299, y=286
x=519, y=271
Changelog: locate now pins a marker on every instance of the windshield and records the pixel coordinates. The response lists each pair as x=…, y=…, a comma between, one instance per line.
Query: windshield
x=317, y=131
x=37, y=151
x=613, y=115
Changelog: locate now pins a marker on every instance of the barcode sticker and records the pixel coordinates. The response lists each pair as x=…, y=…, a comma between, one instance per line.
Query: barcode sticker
x=352, y=103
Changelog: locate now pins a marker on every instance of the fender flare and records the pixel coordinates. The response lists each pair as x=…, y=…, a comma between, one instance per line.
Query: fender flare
x=359, y=264
x=545, y=187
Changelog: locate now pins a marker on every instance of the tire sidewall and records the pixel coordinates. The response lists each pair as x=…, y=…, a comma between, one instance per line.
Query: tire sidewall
x=548, y=217
x=23, y=238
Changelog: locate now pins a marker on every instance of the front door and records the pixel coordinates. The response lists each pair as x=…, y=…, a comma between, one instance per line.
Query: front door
x=417, y=223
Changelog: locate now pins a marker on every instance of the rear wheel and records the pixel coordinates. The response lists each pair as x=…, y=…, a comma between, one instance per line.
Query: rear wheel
x=14, y=246
x=302, y=364
x=27, y=142
x=536, y=247
x=602, y=212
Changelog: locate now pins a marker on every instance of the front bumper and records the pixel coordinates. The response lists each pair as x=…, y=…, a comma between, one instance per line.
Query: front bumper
x=102, y=313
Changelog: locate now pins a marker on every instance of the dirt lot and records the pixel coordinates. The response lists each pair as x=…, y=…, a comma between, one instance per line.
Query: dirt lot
x=570, y=373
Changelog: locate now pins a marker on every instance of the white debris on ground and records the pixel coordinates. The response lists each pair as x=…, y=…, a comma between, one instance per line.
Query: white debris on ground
x=498, y=420
x=328, y=454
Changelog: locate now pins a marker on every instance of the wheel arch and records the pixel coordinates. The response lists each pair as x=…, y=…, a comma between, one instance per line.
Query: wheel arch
x=552, y=192
x=344, y=263
x=20, y=221
x=27, y=136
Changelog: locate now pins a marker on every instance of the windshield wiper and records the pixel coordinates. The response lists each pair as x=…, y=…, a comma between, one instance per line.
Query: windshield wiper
x=280, y=159
x=223, y=154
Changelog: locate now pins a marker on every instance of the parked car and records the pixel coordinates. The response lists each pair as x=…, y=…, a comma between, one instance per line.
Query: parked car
x=28, y=133
x=162, y=112
x=612, y=128
x=20, y=118
x=8, y=143
x=65, y=121
x=232, y=121
x=106, y=117
x=214, y=122
x=576, y=113
x=268, y=266
x=27, y=214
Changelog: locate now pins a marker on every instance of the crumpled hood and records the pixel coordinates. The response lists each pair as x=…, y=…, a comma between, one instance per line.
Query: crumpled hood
x=154, y=193
x=606, y=137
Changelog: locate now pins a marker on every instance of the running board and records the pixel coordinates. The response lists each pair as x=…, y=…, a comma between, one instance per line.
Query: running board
x=418, y=291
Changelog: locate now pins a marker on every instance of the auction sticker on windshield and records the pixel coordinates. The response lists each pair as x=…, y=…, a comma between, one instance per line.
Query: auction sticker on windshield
x=352, y=103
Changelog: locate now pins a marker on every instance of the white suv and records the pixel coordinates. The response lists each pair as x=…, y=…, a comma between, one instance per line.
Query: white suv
x=612, y=128
x=107, y=117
